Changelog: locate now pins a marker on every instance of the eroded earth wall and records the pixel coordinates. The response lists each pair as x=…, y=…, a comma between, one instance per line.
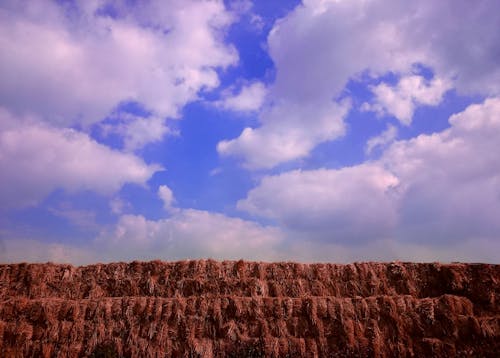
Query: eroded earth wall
x=205, y=308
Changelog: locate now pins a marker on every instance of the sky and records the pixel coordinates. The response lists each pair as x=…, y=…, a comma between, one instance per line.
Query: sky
x=321, y=130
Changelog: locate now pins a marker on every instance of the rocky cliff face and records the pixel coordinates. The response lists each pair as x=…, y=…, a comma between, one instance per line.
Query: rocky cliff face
x=246, y=309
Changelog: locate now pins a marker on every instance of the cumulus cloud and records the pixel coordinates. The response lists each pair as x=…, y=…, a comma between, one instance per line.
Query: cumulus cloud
x=72, y=64
x=431, y=190
x=137, y=131
x=432, y=197
x=249, y=98
x=321, y=45
x=189, y=233
x=143, y=131
x=289, y=131
x=325, y=43
x=76, y=63
x=451, y=179
x=186, y=233
x=382, y=140
x=167, y=196
x=401, y=100
x=344, y=205
x=39, y=159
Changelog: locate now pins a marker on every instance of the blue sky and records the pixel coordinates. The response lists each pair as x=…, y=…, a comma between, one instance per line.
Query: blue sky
x=310, y=131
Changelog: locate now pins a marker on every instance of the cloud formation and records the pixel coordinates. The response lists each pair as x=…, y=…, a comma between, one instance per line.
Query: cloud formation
x=321, y=45
x=289, y=131
x=69, y=65
x=41, y=159
x=75, y=62
x=410, y=92
x=137, y=131
x=382, y=140
x=249, y=98
x=347, y=205
x=434, y=189
x=121, y=72
x=167, y=197
x=189, y=233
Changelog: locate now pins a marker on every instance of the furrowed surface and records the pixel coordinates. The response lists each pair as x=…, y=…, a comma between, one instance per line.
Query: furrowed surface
x=207, y=308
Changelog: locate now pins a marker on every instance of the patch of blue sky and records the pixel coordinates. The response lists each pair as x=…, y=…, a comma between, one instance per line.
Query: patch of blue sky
x=434, y=119
x=199, y=178
x=61, y=217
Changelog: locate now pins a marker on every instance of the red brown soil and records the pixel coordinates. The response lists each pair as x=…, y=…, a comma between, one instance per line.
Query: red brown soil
x=207, y=308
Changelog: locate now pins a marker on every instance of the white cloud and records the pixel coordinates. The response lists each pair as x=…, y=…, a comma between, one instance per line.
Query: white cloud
x=186, y=233
x=137, y=131
x=319, y=46
x=324, y=43
x=410, y=92
x=167, y=197
x=433, y=197
x=118, y=205
x=243, y=9
x=339, y=205
x=382, y=140
x=249, y=98
x=451, y=179
x=39, y=159
x=189, y=233
x=75, y=64
x=432, y=190
x=289, y=131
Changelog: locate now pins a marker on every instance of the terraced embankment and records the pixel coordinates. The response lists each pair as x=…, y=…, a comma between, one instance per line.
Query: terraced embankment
x=207, y=308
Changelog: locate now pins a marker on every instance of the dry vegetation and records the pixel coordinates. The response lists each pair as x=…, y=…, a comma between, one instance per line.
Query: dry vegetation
x=207, y=308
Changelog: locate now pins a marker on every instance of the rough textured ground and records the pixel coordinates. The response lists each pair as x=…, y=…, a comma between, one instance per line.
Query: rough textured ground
x=245, y=309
